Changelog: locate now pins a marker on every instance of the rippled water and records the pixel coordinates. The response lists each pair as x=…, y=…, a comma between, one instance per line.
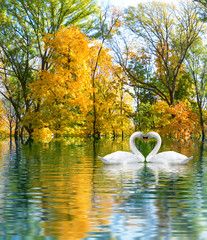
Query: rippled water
x=60, y=190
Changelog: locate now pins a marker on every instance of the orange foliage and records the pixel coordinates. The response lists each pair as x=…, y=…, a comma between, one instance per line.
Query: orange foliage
x=178, y=121
x=185, y=120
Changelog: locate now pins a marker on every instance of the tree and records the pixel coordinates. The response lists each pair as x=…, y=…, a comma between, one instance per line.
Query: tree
x=168, y=34
x=109, y=21
x=196, y=64
x=203, y=9
x=23, y=24
x=124, y=102
x=16, y=71
x=1, y=119
x=63, y=93
x=179, y=121
x=9, y=116
x=140, y=63
x=113, y=104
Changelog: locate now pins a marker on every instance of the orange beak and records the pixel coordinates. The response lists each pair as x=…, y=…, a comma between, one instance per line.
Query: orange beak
x=145, y=139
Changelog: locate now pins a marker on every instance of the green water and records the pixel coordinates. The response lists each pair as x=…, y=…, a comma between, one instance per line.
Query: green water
x=60, y=190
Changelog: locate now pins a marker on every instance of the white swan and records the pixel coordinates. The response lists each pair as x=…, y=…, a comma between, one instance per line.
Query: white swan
x=169, y=157
x=122, y=157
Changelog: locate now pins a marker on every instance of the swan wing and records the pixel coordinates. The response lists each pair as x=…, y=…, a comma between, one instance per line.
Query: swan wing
x=120, y=157
x=107, y=161
x=170, y=157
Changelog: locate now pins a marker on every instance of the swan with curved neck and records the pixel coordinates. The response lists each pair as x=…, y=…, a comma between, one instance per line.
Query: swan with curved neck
x=164, y=157
x=122, y=157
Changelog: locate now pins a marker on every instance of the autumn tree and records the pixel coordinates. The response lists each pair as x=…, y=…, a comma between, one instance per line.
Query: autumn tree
x=124, y=102
x=168, y=34
x=113, y=104
x=196, y=64
x=179, y=121
x=23, y=24
x=63, y=92
x=1, y=119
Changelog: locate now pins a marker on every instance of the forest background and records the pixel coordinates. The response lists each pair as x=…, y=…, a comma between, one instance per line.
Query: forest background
x=74, y=68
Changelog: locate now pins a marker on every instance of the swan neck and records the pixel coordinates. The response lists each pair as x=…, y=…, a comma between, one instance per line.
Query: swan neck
x=156, y=148
x=133, y=146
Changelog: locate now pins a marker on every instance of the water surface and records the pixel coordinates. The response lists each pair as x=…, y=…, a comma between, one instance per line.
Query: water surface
x=60, y=190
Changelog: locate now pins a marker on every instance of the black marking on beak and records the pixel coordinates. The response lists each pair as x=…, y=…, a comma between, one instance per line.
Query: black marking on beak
x=145, y=139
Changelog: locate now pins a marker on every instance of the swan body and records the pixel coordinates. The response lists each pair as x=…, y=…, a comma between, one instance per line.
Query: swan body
x=121, y=157
x=168, y=157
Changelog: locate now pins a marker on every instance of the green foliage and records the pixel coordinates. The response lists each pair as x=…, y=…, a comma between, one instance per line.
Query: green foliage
x=203, y=9
x=168, y=33
x=184, y=90
x=143, y=117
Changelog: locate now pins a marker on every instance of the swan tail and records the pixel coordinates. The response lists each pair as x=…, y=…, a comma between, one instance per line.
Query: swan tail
x=187, y=160
x=103, y=160
x=190, y=158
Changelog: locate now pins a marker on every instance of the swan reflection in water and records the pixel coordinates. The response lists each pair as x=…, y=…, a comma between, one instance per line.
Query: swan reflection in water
x=142, y=172
x=170, y=170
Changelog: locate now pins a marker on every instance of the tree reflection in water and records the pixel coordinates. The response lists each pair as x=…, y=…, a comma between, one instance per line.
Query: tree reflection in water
x=61, y=190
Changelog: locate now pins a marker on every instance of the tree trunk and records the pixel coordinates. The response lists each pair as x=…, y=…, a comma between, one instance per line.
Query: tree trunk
x=201, y=120
x=172, y=95
x=16, y=131
x=10, y=129
x=29, y=130
x=199, y=103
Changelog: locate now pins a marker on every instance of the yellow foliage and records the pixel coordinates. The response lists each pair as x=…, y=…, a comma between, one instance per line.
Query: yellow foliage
x=162, y=111
x=42, y=134
x=4, y=122
x=2, y=130
x=65, y=94
x=113, y=105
